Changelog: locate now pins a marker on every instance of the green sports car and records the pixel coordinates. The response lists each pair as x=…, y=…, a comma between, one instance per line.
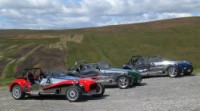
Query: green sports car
x=101, y=71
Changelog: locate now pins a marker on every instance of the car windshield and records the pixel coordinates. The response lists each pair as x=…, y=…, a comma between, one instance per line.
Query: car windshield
x=90, y=66
x=103, y=65
x=140, y=61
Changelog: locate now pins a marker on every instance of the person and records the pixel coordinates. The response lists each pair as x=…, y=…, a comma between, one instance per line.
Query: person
x=41, y=75
x=30, y=78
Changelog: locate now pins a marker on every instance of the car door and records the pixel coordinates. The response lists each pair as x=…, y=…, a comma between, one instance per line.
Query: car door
x=35, y=85
x=108, y=75
x=156, y=67
x=142, y=65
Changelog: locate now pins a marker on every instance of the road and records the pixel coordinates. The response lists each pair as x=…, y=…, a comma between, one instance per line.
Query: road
x=154, y=94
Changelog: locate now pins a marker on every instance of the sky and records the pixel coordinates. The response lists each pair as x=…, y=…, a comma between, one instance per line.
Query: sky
x=70, y=14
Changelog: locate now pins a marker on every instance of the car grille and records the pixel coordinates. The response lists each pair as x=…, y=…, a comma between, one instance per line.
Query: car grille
x=93, y=86
x=190, y=67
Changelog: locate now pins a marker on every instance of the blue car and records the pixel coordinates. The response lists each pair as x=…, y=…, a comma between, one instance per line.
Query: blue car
x=155, y=65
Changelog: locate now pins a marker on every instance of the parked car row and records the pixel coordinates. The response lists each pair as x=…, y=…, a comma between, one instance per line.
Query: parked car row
x=89, y=78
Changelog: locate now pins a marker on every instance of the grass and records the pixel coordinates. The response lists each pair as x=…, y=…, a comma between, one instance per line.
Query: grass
x=28, y=41
x=17, y=49
x=196, y=71
x=117, y=47
x=6, y=81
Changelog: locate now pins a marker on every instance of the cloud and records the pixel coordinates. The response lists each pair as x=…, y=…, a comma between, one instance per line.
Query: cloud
x=58, y=14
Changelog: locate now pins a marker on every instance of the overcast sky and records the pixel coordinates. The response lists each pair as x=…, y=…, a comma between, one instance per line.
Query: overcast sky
x=68, y=14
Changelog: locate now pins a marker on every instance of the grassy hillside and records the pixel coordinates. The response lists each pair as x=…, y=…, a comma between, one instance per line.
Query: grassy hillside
x=173, y=39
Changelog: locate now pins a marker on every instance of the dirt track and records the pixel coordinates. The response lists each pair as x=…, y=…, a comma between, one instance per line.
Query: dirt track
x=155, y=94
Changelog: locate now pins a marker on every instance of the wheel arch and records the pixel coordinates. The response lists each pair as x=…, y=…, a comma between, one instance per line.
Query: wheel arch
x=22, y=83
x=169, y=66
x=122, y=76
x=11, y=86
x=64, y=88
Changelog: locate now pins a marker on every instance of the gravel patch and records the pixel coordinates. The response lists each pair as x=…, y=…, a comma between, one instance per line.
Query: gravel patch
x=154, y=94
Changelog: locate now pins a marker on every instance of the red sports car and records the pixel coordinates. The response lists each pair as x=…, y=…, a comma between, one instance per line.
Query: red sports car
x=35, y=83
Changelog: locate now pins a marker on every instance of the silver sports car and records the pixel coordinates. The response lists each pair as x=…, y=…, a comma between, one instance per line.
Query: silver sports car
x=155, y=65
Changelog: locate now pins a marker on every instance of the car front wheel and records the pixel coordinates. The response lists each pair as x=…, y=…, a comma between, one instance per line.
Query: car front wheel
x=123, y=82
x=173, y=72
x=73, y=93
x=100, y=90
x=17, y=93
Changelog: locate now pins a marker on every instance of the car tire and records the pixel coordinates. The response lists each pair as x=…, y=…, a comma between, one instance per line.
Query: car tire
x=123, y=82
x=100, y=90
x=73, y=93
x=173, y=72
x=17, y=92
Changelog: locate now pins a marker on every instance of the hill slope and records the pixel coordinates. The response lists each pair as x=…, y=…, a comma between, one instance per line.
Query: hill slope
x=174, y=39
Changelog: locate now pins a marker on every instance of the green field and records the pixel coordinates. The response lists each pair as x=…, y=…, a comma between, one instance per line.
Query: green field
x=175, y=39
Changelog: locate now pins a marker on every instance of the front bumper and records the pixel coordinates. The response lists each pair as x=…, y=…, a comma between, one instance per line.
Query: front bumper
x=185, y=68
x=188, y=69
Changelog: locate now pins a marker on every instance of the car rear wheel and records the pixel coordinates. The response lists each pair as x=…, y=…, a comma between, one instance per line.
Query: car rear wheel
x=173, y=72
x=100, y=90
x=17, y=93
x=73, y=93
x=123, y=82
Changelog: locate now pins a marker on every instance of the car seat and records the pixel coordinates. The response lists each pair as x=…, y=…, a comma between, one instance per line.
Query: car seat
x=30, y=78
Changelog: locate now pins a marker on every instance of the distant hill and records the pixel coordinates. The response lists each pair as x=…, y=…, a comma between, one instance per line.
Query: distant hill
x=177, y=39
